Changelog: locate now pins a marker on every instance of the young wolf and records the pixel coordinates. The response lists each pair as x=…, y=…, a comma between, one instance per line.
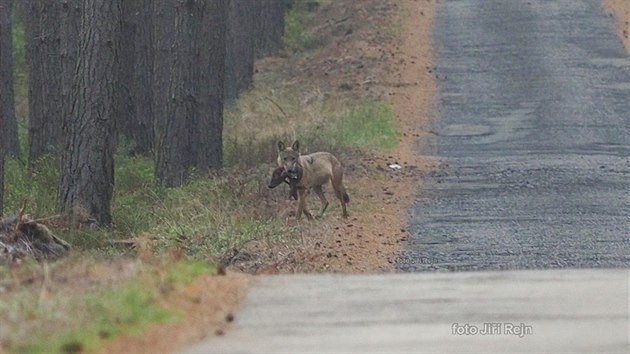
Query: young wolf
x=313, y=171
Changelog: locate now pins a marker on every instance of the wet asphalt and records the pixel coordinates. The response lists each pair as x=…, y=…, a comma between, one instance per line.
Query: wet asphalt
x=532, y=132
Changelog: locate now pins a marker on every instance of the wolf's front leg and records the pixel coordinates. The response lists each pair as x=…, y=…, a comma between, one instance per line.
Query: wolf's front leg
x=302, y=193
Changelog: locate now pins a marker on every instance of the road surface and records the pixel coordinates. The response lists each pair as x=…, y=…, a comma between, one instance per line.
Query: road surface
x=527, y=311
x=534, y=139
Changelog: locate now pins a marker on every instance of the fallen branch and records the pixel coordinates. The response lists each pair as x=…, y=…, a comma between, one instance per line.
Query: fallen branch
x=22, y=237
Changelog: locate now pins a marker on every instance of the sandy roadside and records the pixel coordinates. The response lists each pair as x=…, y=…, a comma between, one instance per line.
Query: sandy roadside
x=620, y=10
x=372, y=242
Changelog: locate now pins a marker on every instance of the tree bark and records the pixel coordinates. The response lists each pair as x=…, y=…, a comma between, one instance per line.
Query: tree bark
x=1, y=179
x=269, y=26
x=190, y=131
x=87, y=179
x=134, y=94
x=239, y=56
x=142, y=89
x=42, y=19
x=164, y=44
x=9, y=136
x=209, y=125
x=123, y=95
x=70, y=21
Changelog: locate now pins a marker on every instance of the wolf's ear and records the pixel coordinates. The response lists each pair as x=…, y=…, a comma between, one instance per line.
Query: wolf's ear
x=296, y=146
x=281, y=146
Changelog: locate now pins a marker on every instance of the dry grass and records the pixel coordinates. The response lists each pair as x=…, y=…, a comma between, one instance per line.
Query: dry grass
x=79, y=303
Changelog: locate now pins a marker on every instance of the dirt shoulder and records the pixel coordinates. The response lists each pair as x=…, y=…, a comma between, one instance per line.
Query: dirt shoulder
x=373, y=240
x=207, y=306
x=377, y=51
x=620, y=10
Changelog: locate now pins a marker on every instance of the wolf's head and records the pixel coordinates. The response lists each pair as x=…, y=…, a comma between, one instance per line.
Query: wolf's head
x=288, y=158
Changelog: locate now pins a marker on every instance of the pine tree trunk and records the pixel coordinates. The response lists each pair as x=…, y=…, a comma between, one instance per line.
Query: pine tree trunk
x=134, y=94
x=70, y=21
x=123, y=96
x=1, y=177
x=43, y=56
x=87, y=163
x=8, y=135
x=269, y=26
x=239, y=56
x=209, y=125
x=190, y=129
x=142, y=88
x=164, y=43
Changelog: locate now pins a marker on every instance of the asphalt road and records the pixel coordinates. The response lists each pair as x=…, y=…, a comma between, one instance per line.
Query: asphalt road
x=533, y=136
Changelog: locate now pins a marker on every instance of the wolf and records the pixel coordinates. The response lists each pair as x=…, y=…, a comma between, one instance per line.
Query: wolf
x=278, y=176
x=312, y=172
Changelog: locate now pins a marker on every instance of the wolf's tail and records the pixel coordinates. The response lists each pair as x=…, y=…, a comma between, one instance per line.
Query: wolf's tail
x=346, y=198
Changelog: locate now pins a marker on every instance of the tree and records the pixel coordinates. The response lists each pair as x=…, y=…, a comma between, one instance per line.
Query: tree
x=87, y=178
x=163, y=52
x=141, y=127
x=70, y=21
x=7, y=105
x=190, y=124
x=239, y=56
x=9, y=135
x=209, y=122
x=1, y=176
x=134, y=97
x=42, y=19
x=123, y=96
x=269, y=26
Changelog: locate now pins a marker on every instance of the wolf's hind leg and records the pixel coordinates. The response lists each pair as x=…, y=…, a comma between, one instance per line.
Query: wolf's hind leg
x=340, y=193
x=322, y=198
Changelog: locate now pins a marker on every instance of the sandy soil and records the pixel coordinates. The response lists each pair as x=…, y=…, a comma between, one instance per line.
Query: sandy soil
x=365, y=63
x=208, y=306
x=620, y=9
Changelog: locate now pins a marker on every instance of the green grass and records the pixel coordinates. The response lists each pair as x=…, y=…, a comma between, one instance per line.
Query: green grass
x=370, y=125
x=205, y=217
x=37, y=188
x=96, y=317
x=209, y=216
x=19, y=45
x=83, y=322
x=274, y=110
x=185, y=273
x=20, y=72
x=297, y=37
x=135, y=195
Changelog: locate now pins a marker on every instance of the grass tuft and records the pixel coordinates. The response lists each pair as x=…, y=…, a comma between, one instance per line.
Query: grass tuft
x=37, y=188
x=297, y=38
x=184, y=273
x=97, y=317
x=370, y=125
